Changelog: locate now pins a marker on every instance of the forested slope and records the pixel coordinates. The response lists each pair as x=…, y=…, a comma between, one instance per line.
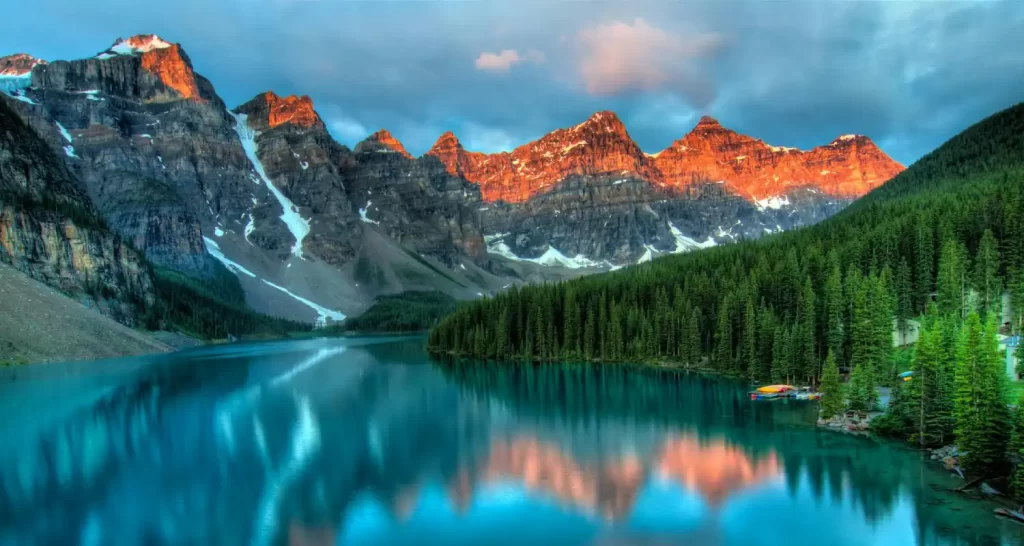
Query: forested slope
x=950, y=229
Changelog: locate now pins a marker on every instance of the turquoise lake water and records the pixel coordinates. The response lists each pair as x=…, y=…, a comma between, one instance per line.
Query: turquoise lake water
x=365, y=441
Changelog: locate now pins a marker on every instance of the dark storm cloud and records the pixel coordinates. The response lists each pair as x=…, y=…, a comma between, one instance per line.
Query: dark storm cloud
x=498, y=73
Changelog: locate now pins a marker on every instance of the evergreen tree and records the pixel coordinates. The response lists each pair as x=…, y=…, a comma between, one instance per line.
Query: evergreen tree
x=832, y=399
x=834, y=312
x=862, y=394
x=806, y=346
x=982, y=419
x=1015, y=453
x=781, y=355
x=501, y=348
x=924, y=254
x=928, y=390
x=749, y=352
x=881, y=309
x=723, y=336
x=572, y=325
x=951, y=288
x=693, y=334
x=986, y=274
x=904, y=299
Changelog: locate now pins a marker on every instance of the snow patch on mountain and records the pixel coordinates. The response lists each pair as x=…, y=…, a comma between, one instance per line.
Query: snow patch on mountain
x=297, y=225
x=322, y=312
x=551, y=257
x=364, y=217
x=14, y=86
x=69, y=150
x=686, y=244
x=138, y=44
x=213, y=249
x=774, y=203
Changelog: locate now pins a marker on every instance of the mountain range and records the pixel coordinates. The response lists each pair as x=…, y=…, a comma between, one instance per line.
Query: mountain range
x=314, y=231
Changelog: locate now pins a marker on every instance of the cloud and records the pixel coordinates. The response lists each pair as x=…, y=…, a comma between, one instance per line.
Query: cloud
x=907, y=74
x=622, y=57
x=503, y=61
x=346, y=129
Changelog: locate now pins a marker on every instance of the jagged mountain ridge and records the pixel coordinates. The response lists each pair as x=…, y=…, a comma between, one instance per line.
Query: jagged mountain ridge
x=849, y=166
x=265, y=189
x=587, y=195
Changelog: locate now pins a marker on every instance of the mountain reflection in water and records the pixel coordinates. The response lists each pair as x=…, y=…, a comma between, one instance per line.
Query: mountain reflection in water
x=363, y=441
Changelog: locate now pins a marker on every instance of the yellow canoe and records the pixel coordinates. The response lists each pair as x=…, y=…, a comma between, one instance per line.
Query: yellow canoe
x=774, y=388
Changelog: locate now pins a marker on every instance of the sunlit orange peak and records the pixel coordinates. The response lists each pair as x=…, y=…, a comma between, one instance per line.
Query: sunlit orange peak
x=292, y=109
x=388, y=141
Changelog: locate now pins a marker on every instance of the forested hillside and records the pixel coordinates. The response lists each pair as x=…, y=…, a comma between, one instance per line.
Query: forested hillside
x=950, y=229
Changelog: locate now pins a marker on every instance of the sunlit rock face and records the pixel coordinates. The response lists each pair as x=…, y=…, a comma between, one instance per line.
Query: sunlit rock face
x=597, y=146
x=18, y=64
x=589, y=192
x=850, y=166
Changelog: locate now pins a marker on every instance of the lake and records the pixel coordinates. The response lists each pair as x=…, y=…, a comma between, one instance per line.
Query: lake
x=366, y=441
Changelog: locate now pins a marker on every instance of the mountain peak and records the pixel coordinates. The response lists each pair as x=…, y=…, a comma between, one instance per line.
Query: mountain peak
x=18, y=64
x=850, y=139
x=708, y=122
x=387, y=142
x=446, y=143
x=297, y=110
x=140, y=43
x=605, y=119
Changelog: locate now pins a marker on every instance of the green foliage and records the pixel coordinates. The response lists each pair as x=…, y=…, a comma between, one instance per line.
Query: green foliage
x=1015, y=452
x=862, y=394
x=930, y=391
x=979, y=405
x=408, y=312
x=194, y=307
x=832, y=398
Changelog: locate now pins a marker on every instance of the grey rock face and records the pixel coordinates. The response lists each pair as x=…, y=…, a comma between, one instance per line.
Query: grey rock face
x=417, y=203
x=611, y=220
x=50, y=230
x=157, y=154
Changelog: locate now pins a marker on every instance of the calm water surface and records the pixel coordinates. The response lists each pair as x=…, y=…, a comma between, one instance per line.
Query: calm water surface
x=364, y=441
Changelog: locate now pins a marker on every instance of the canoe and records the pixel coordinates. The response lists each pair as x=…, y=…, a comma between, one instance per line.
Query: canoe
x=774, y=389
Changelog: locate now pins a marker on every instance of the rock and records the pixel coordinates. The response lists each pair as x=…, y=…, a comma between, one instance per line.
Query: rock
x=950, y=462
x=50, y=230
x=590, y=191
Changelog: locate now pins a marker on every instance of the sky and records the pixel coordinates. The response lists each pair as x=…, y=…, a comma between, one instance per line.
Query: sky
x=499, y=73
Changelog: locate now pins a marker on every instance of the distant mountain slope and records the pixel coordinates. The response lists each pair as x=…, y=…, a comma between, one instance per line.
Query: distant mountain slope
x=772, y=309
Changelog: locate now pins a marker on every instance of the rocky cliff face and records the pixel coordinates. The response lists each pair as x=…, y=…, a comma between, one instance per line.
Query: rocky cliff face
x=153, y=143
x=50, y=231
x=848, y=167
x=300, y=159
x=415, y=201
x=587, y=195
